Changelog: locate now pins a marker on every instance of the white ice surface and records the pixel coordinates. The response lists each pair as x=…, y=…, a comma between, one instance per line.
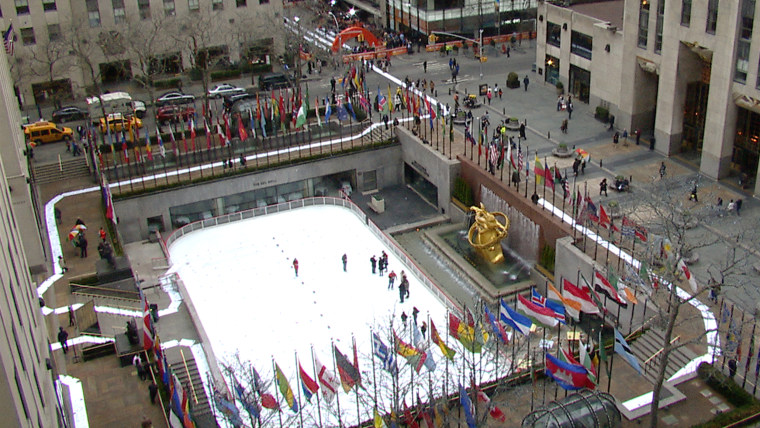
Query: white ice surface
x=240, y=278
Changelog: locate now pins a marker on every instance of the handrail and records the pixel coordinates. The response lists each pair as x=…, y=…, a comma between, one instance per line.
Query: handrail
x=190, y=379
x=660, y=351
x=751, y=418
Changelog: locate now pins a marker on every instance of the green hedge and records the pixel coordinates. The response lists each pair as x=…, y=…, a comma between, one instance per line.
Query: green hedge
x=167, y=83
x=463, y=192
x=256, y=68
x=224, y=74
x=547, y=258
x=745, y=403
x=601, y=113
x=513, y=80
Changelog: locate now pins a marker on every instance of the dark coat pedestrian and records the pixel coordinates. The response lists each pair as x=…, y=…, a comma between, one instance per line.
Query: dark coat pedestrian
x=82, y=243
x=638, y=136
x=738, y=206
x=423, y=329
x=525, y=82
x=153, y=391
x=345, y=261
x=404, y=317
x=63, y=336
x=583, y=167
x=402, y=291
x=424, y=66
x=373, y=262
x=603, y=187
x=415, y=311
x=732, y=367
x=616, y=139
x=332, y=84
x=663, y=170
x=522, y=131
x=576, y=165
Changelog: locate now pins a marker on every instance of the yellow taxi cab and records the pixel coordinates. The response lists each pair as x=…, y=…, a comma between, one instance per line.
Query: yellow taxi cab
x=119, y=123
x=46, y=132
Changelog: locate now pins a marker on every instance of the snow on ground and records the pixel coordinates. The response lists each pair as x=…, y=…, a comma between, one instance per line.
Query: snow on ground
x=240, y=279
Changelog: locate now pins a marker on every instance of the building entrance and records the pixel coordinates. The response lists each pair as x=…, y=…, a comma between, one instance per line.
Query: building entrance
x=695, y=111
x=580, y=83
x=746, y=151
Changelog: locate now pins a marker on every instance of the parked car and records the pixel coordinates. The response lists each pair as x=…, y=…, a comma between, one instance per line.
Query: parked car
x=118, y=123
x=174, y=97
x=174, y=113
x=139, y=109
x=274, y=81
x=224, y=89
x=67, y=113
x=229, y=100
x=46, y=132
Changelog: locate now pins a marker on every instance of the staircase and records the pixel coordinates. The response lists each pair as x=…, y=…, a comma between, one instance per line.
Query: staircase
x=199, y=403
x=648, y=350
x=67, y=169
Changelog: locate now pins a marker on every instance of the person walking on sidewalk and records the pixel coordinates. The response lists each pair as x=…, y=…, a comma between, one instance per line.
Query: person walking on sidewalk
x=63, y=337
x=662, y=170
x=345, y=261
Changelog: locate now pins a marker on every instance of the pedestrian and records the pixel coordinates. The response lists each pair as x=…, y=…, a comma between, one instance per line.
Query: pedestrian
x=146, y=423
x=423, y=328
x=332, y=84
x=415, y=311
x=525, y=82
x=612, y=122
x=62, y=264
x=638, y=136
x=63, y=336
x=140, y=370
x=424, y=66
x=345, y=261
x=583, y=167
x=295, y=266
x=391, y=279
x=719, y=204
x=500, y=93
x=384, y=258
x=560, y=102
x=616, y=139
x=732, y=367
x=58, y=215
x=404, y=317
x=738, y=206
x=242, y=161
x=451, y=63
x=522, y=132
x=153, y=391
x=373, y=262
x=576, y=165
x=402, y=291
x=563, y=127
x=731, y=206
x=509, y=49
x=82, y=243
x=662, y=170
x=603, y=187
x=102, y=234
x=489, y=95
x=625, y=137
x=146, y=370
x=72, y=317
x=569, y=110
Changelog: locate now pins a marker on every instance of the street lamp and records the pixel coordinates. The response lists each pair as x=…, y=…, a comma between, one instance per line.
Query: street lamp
x=480, y=48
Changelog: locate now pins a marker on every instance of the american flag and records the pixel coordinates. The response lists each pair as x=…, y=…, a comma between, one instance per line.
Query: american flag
x=520, y=159
x=8, y=37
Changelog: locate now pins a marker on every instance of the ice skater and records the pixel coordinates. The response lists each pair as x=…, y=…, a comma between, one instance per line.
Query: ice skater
x=391, y=280
x=403, y=319
x=345, y=261
x=295, y=266
x=415, y=311
x=373, y=262
x=402, y=291
x=384, y=258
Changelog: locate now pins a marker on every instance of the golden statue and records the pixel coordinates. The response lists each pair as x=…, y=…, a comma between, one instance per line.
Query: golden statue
x=489, y=233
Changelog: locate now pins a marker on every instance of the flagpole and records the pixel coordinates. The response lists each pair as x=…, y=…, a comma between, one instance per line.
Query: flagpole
x=564, y=196
x=337, y=392
x=319, y=404
x=609, y=371
x=374, y=375
x=749, y=354
x=532, y=378
x=279, y=408
x=356, y=389
x=300, y=408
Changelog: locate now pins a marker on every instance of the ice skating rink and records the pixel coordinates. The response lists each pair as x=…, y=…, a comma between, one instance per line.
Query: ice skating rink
x=252, y=306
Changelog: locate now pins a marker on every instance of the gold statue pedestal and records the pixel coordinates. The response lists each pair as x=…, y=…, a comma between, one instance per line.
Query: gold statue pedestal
x=486, y=233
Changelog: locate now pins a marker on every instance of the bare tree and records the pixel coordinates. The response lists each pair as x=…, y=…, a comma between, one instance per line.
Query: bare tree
x=49, y=59
x=676, y=225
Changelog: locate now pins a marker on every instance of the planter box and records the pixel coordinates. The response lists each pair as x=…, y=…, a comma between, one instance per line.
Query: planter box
x=377, y=203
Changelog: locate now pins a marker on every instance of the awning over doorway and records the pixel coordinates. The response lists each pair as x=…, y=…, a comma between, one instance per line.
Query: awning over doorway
x=701, y=51
x=747, y=102
x=648, y=66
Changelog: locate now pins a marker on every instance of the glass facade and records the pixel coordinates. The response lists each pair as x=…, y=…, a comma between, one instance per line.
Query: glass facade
x=712, y=16
x=581, y=44
x=643, y=23
x=584, y=408
x=685, y=12
x=553, y=34
x=745, y=40
x=659, y=25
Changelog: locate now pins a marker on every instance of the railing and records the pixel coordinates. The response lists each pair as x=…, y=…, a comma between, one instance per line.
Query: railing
x=111, y=293
x=651, y=360
x=344, y=202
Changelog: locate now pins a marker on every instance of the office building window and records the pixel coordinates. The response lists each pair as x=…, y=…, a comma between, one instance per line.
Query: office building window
x=712, y=16
x=581, y=44
x=658, y=26
x=54, y=32
x=745, y=40
x=144, y=7
x=93, y=13
x=169, y=8
x=241, y=3
x=22, y=7
x=553, y=34
x=48, y=5
x=643, y=23
x=217, y=4
x=119, y=16
x=193, y=5
x=27, y=36
x=685, y=12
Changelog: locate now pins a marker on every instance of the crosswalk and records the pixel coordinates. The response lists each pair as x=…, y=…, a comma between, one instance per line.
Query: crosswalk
x=321, y=38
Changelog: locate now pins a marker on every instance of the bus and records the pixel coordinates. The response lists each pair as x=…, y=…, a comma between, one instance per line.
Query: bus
x=115, y=102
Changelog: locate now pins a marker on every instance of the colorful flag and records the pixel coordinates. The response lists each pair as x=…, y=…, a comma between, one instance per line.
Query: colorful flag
x=580, y=298
x=422, y=345
x=208, y=135
x=467, y=406
x=602, y=285
x=556, y=307
x=548, y=176
x=192, y=134
x=513, y=319
x=242, y=133
x=622, y=348
x=327, y=380
x=301, y=118
x=572, y=308
x=187, y=421
x=464, y=333
x=493, y=410
x=567, y=375
x=226, y=408
x=538, y=314
x=413, y=355
x=249, y=404
x=308, y=385
x=350, y=108
x=384, y=354
x=538, y=169
x=378, y=421
x=349, y=374
x=688, y=275
x=436, y=338
x=148, y=333
x=587, y=362
x=285, y=390
x=8, y=39
x=148, y=149
x=496, y=327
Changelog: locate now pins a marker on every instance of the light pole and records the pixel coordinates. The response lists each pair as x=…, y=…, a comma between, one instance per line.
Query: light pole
x=480, y=48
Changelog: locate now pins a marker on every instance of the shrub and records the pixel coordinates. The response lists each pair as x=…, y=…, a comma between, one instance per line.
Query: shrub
x=601, y=113
x=195, y=74
x=224, y=74
x=463, y=192
x=562, y=147
x=546, y=259
x=560, y=87
x=513, y=80
x=167, y=83
x=725, y=386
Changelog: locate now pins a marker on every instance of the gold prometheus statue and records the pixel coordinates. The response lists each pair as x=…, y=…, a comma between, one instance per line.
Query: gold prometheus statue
x=489, y=233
